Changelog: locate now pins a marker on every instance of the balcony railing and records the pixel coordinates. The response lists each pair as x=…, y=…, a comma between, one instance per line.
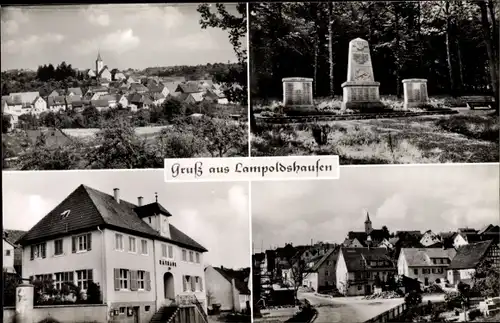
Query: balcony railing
x=191, y=300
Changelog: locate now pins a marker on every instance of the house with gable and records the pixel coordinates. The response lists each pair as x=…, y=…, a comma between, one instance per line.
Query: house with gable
x=321, y=275
x=56, y=103
x=12, y=252
x=430, y=239
x=228, y=287
x=352, y=243
x=74, y=91
x=141, y=261
x=27, y=102
x=469, y=257
x=189, y=87
x=427, y=265
x=357, y=269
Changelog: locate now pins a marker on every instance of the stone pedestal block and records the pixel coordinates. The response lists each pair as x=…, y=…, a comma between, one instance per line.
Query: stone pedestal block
x=415, y=93
x=24, y=303
x=298, y=92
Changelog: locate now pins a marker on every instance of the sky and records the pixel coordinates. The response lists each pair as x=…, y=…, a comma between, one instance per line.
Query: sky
x=216, y=215
x=441, y=198
x=128, y=36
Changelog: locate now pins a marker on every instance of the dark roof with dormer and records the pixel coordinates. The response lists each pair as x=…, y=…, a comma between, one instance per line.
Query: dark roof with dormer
x=151, y=209
x=89, y=209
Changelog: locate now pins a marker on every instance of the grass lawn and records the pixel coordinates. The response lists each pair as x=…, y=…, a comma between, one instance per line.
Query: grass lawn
x=469, y=137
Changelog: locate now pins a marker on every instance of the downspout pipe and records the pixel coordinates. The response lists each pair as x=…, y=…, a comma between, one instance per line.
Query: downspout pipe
x=104, y=269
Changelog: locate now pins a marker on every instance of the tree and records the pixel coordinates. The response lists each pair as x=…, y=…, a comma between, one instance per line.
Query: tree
x=297, y=267
x=413, y=299
x=6, y=123
x=486, y=279
x=386, y=233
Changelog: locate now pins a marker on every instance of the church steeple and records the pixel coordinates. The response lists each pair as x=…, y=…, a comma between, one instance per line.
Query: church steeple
x=99, y=64
x=368, y=224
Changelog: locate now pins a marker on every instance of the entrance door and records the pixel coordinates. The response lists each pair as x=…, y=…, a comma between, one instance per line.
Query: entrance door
x=136, y=314
x=368, y=290
x=426, y=282
x=168, y=286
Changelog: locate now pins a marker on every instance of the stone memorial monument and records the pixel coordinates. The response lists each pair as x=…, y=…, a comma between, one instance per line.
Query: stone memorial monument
x=24, y=303
x=298, y=93
x=415, y=93
x=360, y=90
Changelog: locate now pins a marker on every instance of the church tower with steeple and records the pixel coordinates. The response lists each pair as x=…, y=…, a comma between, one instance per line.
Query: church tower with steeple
x=99, y=64
x=368, y=224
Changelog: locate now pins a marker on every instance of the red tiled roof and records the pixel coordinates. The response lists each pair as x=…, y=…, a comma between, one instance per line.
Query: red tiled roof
x=90, y=208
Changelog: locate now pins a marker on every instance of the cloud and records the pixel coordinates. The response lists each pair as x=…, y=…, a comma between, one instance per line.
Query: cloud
x=31, y=43
x=169, y=17
x=392, y=208
x=200, y=40
x=120, y=41
x=35, y=207
x=238, y=200
x=12, y=19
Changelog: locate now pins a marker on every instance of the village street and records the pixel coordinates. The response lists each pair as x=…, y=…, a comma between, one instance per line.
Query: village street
x=353, y=309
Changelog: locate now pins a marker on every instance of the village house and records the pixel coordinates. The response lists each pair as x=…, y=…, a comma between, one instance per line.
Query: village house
x=157, y=97
x=138, y=88
x=352, y=243
x=138, y=101
x=228, y=288
x=138, y=258
x=189, y=87
x=56, y=103
x=159, y=88
x=100, y=104
x=25, y=103
x=427, y=265
x=194, y=98
x=357, y=269
x=429, y=239
x=119, y=76
x=321, y=276
x=8, y=256
x=469, y=257
x=11, y=236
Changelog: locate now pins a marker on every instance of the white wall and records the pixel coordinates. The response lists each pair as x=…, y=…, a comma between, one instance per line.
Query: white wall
x=311, y=280
x=341, y=273
x=219, y=288
x=8, y=255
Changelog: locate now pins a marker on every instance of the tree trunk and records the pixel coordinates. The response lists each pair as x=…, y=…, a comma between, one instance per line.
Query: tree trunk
x=461, y=86
x=330, y=48
x=316, y=48
x=448, y=48
x=398, y=52
x=490, y=51
x=494, y=27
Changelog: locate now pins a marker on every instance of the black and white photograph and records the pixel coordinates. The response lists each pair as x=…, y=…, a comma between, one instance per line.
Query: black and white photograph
x=375, y=82
x=381, y=244
x=122, y=86
x=122, y=246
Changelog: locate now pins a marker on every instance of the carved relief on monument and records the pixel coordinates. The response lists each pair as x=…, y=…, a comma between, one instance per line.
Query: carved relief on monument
x=373, y=95
x=361, y=46
x=423, y=90
x=288, y=93
x=362, y=75
x=361, y=58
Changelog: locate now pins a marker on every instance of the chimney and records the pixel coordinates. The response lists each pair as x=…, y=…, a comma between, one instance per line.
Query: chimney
x=139, y=201
x=116, y=192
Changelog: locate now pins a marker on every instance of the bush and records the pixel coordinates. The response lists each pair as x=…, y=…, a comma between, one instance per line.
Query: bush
x=413, y=299
x=475, y=127
x=454, y=300
x=306, y=313
x=94, y=293
x=474, y=314
x=10, y=283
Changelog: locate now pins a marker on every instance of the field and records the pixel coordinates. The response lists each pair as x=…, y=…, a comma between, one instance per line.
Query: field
x=466, y=137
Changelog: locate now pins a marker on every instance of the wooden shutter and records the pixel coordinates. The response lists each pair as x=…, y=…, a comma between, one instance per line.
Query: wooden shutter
x=117, y=279
x=133, y=279
x=89, y=241
x=44, y=249
x=73, y=244
x=71, y=277
x=90, y=276
x=32, y=256
x=147, y=278
x=201, y=284
x=184, y=283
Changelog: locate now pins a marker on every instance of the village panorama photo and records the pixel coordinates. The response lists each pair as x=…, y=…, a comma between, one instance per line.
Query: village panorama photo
x=122, y=86
x=376, y=82
x=381, y=244
x=122, y=246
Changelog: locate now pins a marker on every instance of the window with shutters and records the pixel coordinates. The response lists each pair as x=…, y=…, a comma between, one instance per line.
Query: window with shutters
x=141, y=280
x=82, y=242
x=191, y=256
x=144, y=247
x=83, y=277
x=164, y=250
x=63, y=277
x=186, y=283
x=58, y=247
x=197, y=257
x=132, y=247
x=198, y=284
x=184, y=255
x=124, y=277
x=170, y=252
x=193, y=283
x=118, y=242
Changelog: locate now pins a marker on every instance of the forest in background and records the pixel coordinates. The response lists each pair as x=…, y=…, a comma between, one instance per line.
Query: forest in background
x=452, y=44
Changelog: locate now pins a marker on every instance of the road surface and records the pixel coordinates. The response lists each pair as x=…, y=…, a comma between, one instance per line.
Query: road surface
x=353, y=309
